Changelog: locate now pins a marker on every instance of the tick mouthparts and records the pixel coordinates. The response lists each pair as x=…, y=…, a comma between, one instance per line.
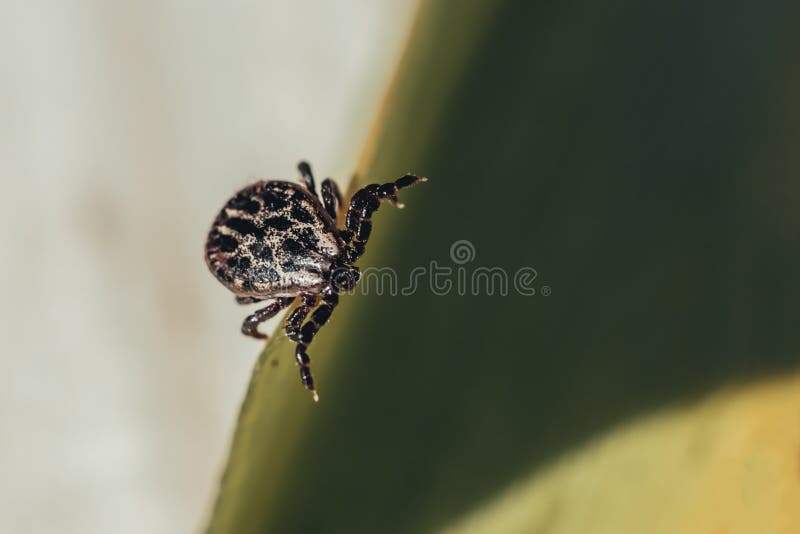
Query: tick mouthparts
x=315, y=396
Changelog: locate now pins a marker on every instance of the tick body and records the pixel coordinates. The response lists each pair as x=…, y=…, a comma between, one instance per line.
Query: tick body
x=278, y=242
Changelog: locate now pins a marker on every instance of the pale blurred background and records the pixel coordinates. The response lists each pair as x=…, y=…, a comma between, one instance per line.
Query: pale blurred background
x=125, y=126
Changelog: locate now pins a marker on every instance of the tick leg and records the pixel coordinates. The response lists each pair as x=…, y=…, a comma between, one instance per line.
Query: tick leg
x=331, y=197
x=247, y=300
x=307, y=176
x=296, y=318
x=363, y=204
x=251, y=322
x=320, y=316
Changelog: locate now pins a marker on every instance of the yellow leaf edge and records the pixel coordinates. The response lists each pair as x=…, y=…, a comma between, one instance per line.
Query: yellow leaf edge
x=727, y=463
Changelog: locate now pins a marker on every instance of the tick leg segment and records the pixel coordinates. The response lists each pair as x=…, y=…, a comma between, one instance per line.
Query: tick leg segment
x=320, y=316
x=247, y=300
x=307, y=177
x=251, y=322
x=364, y=203
x=331, y=197
x=296, y=318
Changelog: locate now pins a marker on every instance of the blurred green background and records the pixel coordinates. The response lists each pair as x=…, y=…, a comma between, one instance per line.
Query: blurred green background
x=642, y=157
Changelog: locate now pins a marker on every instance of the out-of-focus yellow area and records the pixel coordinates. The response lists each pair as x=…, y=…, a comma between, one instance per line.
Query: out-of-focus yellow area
x=727, y=464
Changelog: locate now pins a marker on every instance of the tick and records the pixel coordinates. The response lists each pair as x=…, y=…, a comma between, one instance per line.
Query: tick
x=278, y=242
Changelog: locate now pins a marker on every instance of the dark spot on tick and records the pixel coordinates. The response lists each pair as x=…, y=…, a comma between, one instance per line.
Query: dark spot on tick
x=261, y=251
x=244, y=226
x=301, y=214
x=228, y=243
x=274, y=201
x=239, y=262
x=292, y=246
x=252, y=206
x=224, y=275
x=279, y=223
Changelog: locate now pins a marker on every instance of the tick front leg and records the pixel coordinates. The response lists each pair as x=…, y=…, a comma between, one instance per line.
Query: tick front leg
x=307, y=177
x=331, y=198
x=251, y=322
x=364, y=203
x=320, y=316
